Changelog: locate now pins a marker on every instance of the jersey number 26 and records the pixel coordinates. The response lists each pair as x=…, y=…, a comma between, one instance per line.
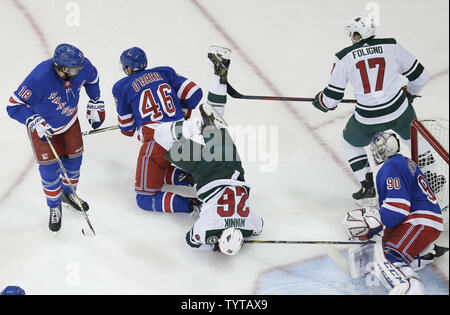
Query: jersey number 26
x=233, y=200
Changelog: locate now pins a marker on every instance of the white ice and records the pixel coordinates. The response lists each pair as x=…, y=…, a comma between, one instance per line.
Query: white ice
x=284, y=47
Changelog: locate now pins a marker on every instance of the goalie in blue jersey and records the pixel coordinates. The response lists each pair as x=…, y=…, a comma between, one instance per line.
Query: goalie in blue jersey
x=46, y=102
x=409, y=216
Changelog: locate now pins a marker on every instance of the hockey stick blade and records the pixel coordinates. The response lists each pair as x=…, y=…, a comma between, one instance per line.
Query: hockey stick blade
x=95, y=131
x=235, y=94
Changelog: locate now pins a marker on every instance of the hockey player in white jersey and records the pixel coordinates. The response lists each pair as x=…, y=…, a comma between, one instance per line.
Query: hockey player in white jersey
x=376, y=68
x=225, y=216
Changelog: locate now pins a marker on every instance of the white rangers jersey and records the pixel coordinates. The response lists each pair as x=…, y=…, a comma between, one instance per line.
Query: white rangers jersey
x=224, y=208
x=375, y=68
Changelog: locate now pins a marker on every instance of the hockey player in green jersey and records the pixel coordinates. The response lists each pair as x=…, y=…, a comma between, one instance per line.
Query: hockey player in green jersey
x=376, y=68
x=225, y=216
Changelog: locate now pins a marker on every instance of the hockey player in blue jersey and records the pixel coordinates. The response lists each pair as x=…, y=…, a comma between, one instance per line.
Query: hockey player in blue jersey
x=47, y=103
x=409, y=214
x=144, y=99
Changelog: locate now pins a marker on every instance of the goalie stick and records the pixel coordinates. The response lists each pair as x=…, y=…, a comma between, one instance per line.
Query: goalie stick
x=308, y=242
x=235, y=94
x=91, y=231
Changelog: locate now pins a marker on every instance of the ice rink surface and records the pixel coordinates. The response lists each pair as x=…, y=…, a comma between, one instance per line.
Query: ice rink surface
x=302, y=188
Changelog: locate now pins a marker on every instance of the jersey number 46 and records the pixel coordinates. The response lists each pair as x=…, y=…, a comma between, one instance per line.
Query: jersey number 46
x=151, y=105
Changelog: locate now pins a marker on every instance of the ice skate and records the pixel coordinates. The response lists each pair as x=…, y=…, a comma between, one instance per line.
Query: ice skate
x=211, y=117
x=366, y=195
x=195, y=206
x=220, y=57
x=55, y=219
x=69, y=201
x=187, y=178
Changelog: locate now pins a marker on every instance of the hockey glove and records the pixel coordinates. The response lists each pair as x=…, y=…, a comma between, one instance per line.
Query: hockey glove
x=317, y=103
x=362, y=224
x=409, y=96
x=36, y=124
x=95, y=113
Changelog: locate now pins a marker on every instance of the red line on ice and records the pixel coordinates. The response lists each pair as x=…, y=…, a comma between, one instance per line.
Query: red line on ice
x=309, y=128
x=47, y=51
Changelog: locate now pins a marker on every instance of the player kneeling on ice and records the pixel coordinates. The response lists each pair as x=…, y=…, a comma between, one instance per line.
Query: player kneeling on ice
x=145, y=99
x=409, y=213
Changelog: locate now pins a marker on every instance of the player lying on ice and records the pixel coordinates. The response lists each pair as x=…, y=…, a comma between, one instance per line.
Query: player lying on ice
x=225, y=217
x=409, y=216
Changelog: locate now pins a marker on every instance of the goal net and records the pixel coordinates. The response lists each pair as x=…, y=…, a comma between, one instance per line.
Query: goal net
x=429, y=149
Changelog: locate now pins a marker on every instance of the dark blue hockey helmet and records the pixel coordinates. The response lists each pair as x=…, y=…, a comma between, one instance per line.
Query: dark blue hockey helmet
x=13, y=290
x=68, y=58
x=135, y=59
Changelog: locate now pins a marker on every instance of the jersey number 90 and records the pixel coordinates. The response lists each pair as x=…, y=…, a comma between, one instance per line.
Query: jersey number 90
x=152, y=106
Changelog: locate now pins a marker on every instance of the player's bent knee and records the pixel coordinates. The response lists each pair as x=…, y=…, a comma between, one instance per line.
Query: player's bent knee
x=145, y=202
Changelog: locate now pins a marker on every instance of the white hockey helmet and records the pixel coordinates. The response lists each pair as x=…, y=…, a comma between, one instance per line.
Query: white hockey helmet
x=363, y=25
x=231, y=241
x=384, y=145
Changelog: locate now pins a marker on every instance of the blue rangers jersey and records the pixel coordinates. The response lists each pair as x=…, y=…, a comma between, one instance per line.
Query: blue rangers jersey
x=405, y=195
x=44, y=93
x=153, y=95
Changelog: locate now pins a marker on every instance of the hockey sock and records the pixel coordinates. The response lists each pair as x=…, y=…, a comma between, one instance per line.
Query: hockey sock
x=163, y=202
x=217, y=95
x=51, y=183
x=358, y=160
x=72, y=167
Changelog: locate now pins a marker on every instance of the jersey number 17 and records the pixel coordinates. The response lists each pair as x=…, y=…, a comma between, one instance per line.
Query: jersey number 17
x=361, y=65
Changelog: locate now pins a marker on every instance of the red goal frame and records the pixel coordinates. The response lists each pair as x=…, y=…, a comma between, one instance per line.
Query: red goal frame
x=416, y=128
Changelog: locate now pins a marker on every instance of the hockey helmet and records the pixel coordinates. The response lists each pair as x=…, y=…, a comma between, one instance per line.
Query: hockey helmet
x=13, y=290
x=384, y=145
x=363, y=25
x=231, y=241
x=68, y=59
x=133, y=60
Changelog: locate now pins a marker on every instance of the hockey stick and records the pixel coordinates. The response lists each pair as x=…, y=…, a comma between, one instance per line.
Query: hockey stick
x=95, y=131
x=88, y=233
x=309, y=242
x=235, y=94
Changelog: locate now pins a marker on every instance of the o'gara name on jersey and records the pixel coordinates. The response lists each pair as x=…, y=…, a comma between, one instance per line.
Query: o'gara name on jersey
x=366, y=51
x=145, y=79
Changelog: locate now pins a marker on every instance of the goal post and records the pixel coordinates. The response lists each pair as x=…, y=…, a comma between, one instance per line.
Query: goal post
x=429, y=149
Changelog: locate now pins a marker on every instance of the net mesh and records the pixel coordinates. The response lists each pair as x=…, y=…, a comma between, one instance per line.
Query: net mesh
x=432, y=164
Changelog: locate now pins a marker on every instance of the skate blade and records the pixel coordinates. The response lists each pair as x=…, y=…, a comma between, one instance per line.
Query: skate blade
x=218, y=119
x=67, y=206
x=225, y=53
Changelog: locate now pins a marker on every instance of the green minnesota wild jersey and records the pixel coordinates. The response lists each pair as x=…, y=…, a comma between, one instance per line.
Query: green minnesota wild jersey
x=376, y=68
x=227, y=207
